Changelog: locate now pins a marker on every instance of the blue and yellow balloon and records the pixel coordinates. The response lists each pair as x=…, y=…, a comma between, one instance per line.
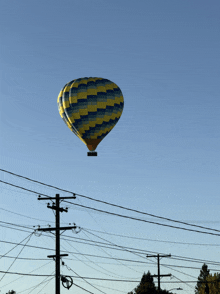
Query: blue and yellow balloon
x=90, y=107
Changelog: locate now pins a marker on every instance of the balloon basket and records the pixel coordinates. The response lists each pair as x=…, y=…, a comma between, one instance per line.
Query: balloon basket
x=92, y=153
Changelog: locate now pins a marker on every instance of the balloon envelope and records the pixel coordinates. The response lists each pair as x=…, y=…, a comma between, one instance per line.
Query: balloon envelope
x=90, y=107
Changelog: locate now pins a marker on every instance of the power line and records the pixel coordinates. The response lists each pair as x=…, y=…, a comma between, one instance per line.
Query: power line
x=22, y=276
x=25, y=216
x=17, y=256
x=108, y=203
x=35, y=287
x=31, y=246
x=13, y=244
x=24, y=258
x=26, y=274
x=92, y=278
x=108, y=288
x=83, y=278
x=100, y=247
x=72, y=203
x=47, y=282
x=177, y=257
x=112, y=234
x=26, y=227
x=189, y=259
x=170, y=267
x=153, y=240
x=135, y=261
x=25, y=189
x=142, y=220
x=82, y=288
x=158, y=257
x=120, y=215
x=88, y=278
x=130, y=250
x=184, y=282
x=14, y=229
x=86, y=256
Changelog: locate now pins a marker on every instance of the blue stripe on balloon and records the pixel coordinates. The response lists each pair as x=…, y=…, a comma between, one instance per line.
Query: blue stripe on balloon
x=92, y=116
x=94, y=130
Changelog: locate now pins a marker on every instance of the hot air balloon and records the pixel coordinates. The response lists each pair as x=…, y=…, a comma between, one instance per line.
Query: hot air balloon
x=90, y=107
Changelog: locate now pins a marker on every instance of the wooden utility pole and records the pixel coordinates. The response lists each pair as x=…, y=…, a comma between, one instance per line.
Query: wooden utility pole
x=158, y=267
x=57, y=256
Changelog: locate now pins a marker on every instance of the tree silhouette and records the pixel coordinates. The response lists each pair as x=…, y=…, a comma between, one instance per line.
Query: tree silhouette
x=202, y=278
x=207, y=283
x=147, y=286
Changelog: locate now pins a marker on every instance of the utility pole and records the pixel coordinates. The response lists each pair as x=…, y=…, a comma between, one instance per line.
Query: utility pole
x=158, y=267
x=57, y=256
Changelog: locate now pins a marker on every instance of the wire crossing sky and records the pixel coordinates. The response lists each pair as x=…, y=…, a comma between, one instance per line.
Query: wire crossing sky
x=157, y=169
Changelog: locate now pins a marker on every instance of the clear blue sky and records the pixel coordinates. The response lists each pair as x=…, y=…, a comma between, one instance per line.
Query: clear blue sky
x=162, y=157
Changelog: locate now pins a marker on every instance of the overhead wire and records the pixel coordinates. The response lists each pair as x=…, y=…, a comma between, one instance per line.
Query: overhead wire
x=120, y=215
x=167, y=266
x=16, y=244
x=153, y=240
x=187, y=283
x=86, y=256
x=108, y=203
x=177, y=257
x=91, y=278
x=34, y=287
x=135, y=261
x=25, y=258
x=70, y=269
x=127, y=249
x=47, y=282
x=82, y=288
x=98, y=270
x=131, y=210
x=108, y=288
x=101, y=247
x=98, y=243
x=26, y=227
x=121, y=263
x=142, y=220
x=120, y=246
x=29, y=237
x=173, y=265
x=147, y=251
x=24, y=275
x=26, y=216
x=16, y=229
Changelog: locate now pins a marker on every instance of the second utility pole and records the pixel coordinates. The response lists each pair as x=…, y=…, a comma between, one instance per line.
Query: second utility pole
x=158, y=267
x=57, y=256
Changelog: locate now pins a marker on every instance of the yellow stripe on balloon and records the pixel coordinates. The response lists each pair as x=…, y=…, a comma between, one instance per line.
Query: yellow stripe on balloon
x=102, y=132
x=81, y=95
x=106, y=118
x=92, y=92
